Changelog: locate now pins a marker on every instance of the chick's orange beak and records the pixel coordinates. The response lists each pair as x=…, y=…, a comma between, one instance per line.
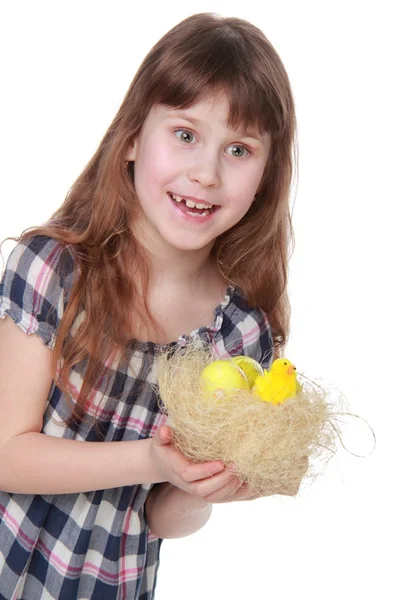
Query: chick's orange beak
x=290, y=370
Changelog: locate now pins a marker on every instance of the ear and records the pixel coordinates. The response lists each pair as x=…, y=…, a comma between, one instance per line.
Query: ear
x=131, y=153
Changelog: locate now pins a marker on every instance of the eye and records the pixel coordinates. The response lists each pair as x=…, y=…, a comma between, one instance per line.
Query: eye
x=184, y=135
x=240, y=151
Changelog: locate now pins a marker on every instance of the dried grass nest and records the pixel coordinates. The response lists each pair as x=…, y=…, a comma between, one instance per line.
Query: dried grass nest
x=267, y=443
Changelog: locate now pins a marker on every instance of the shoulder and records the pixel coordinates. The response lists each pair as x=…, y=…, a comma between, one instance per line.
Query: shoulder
x=38, y=249
x=245, y=330
x=35, y=285
x=40, y=264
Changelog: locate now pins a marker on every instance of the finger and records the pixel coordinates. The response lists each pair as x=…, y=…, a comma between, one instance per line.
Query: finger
x=224, y=485
x=234, y=493
x=166, y=434
x=202, y=471
x=247, y=492
x=205, y=487
x=243, y=492
x=163, y=435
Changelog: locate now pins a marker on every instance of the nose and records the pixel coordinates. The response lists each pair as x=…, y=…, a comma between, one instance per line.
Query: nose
x=205, y=170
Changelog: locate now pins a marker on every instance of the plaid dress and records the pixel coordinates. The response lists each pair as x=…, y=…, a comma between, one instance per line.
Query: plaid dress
x=95, y=545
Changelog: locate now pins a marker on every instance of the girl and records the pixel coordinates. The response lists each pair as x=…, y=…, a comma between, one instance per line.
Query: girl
x=178, y=228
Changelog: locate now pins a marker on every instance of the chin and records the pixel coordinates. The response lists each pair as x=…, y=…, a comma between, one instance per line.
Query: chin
x=189, y=245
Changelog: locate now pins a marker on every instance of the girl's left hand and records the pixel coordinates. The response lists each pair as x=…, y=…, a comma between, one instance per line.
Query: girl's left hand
x=243, y=492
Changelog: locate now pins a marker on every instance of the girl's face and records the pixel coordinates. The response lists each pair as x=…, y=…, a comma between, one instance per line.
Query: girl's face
x=190, y=156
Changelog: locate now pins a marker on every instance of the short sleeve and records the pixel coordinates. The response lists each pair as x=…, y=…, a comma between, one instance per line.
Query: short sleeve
x=245, y=331
x=35, y=285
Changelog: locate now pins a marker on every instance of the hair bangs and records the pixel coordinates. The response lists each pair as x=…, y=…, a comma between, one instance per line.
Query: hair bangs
x=214, y=66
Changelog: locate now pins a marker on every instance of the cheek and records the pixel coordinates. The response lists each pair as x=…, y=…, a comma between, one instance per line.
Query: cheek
x=159, y=164
x=244, y=186
x=248, y=185
x=153, y=174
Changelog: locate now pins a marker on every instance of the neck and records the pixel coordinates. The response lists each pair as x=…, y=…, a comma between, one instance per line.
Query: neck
x=183, y=269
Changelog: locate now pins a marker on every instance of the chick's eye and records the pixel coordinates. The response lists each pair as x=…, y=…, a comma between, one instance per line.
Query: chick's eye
x=239, y=151
x=184, y=135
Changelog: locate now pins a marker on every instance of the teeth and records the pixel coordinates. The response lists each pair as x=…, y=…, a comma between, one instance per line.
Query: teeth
x=190, y=203
x=203, y=214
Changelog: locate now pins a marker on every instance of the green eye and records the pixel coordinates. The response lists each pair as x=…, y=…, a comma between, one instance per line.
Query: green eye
x=239, y=151
x=183, y=135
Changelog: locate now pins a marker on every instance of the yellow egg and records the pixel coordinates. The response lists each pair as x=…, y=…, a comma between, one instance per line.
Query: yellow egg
x=252, y=369
x=222, y=377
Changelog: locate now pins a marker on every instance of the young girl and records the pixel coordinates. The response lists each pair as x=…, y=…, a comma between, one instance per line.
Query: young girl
x=178, y=228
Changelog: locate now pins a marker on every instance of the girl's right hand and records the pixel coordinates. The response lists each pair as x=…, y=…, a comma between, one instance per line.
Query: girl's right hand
x=210, y=481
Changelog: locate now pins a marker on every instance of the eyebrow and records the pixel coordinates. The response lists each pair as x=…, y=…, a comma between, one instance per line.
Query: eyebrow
x=182, y=115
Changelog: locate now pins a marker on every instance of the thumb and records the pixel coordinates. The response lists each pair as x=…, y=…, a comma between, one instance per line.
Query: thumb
x=164, y=435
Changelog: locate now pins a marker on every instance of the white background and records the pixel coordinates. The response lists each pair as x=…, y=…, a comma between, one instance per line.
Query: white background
x=64, y=70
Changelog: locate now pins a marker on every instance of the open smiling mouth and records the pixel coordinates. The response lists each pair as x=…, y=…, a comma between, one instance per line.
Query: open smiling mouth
x=191, y=208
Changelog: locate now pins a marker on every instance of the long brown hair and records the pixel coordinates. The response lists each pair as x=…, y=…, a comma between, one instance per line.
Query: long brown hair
x=203, y=53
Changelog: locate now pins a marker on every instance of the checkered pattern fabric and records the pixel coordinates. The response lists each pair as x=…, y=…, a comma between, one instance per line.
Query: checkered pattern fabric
x=95, y=545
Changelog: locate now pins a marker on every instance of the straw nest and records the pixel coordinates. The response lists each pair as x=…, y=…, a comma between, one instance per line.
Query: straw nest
x=267, y=443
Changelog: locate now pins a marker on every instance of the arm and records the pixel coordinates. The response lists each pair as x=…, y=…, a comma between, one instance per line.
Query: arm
x=34, y=463
x=173, y=513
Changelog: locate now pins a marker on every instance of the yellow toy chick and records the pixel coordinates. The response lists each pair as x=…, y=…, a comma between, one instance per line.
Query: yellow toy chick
x=278, y=384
